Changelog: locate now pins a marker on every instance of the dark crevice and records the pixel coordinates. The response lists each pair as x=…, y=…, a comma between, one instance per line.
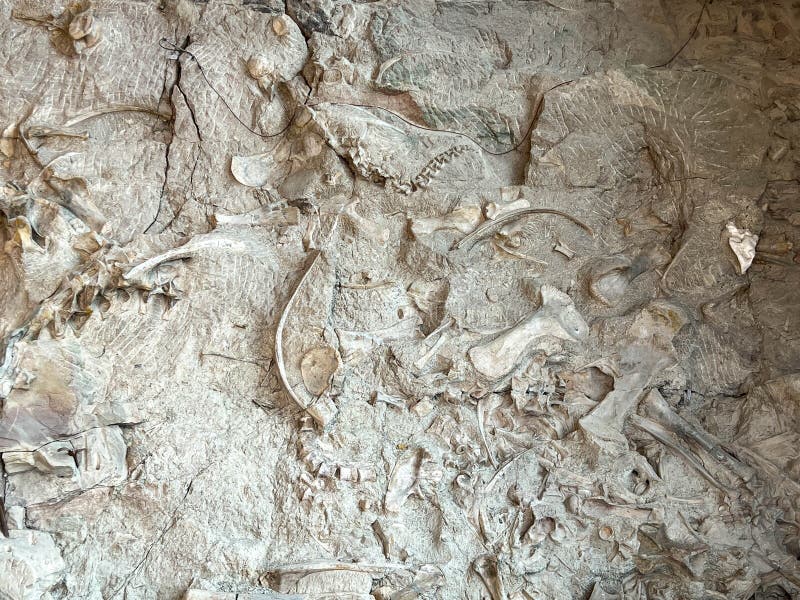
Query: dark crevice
x=3, y=518
x=311, y=19
x=170, y=523
x=185, y=45
x=168, y=94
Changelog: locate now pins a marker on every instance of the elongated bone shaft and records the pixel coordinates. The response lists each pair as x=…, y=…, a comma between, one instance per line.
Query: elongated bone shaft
x=658, y=409
x=463, y=219
x=663, y=435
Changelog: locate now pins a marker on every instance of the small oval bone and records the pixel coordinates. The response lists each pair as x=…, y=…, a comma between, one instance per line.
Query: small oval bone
x=318, y=367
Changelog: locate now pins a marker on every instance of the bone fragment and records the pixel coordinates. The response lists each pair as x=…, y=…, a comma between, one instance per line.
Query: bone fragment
x=463, y=219
x=557, y=317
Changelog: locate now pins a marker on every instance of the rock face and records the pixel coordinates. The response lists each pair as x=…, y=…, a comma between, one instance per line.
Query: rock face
x=439, y=299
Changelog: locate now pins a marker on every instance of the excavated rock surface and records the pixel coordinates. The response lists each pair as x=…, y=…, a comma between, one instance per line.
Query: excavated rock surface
x=440, y=299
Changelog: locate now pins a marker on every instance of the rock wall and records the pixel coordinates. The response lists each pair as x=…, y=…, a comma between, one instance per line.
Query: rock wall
x=379, y=299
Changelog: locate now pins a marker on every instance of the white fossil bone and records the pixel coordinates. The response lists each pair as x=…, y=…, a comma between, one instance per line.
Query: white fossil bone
x=329, y=578
x=420, y=363
x=379, y=396
x=210, y=241
x=423, y=408
x=403, y=481
x=282, y=58
x=490, y=227
x=663, y=435
x=355, y=344
x=406, y=476
x=494, y=210
x=647, y=352
x=323, y=409
x=367, y=227
x=655, y=407
x=269, y=215
x=318, y=367
x=743, y=243
x=556, y=317
x=252, y=171
x=463, y=219
x=564, y=249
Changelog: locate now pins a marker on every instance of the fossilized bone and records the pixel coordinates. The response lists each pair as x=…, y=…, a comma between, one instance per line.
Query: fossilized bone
x=743, y=243
x=557, y=317
x=610, y=276
x=356, y=344
x=326, y=411
x=318, y=462
x=406, y=477
x=463, y=219
x=495, y=210
x=491, y=227
x=318, y=577
x=655, y=407
x=647, y=352
x=423, y=179
x=189, y=249
x=370, y=229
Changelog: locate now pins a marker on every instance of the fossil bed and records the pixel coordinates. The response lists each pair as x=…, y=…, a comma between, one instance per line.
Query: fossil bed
x=440, y=299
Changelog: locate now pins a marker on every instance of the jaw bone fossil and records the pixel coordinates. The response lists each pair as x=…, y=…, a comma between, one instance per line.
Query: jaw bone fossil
x=557, y=317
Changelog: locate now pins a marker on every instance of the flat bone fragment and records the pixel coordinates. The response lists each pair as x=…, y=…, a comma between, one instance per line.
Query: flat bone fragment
x=743, y=243
x=252, y=171
x=404, y=480
x=557, y=317
x=318, y=367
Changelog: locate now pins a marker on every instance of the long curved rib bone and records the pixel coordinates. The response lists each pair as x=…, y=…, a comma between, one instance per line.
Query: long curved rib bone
x=490, y=227
x=327, y=412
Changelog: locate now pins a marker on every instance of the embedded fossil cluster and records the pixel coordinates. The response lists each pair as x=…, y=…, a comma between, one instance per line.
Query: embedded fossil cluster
x=394, y=300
